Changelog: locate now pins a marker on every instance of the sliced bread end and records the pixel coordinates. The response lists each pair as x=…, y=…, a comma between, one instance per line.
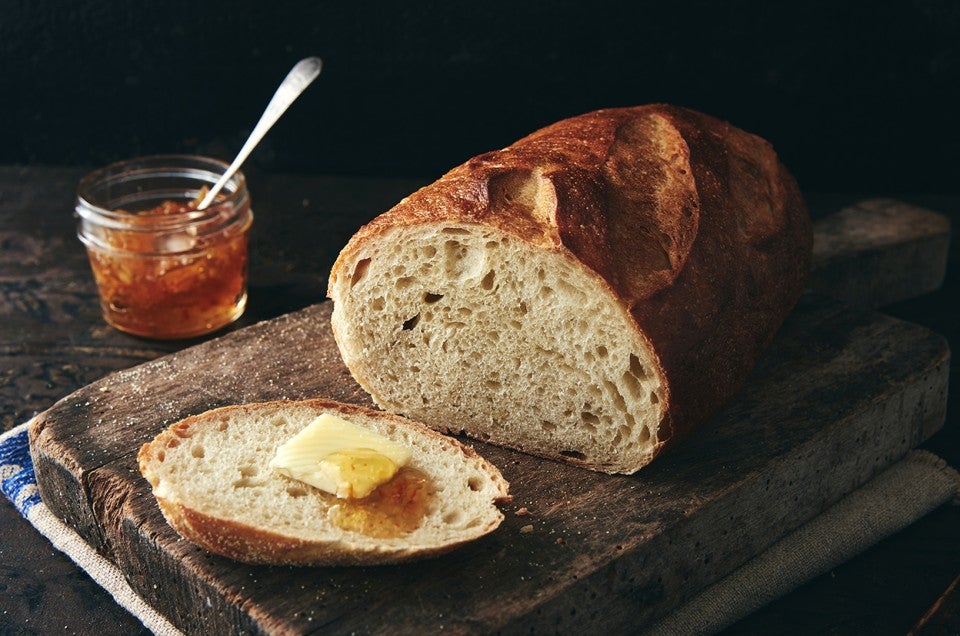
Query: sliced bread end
x=211, y=477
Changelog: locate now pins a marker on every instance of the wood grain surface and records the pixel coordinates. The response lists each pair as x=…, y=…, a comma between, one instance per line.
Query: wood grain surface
x=879, y=251
x=840, y=395
x=52, y=342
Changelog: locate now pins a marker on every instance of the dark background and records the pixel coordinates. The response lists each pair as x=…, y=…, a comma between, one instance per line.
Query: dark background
x=856, y=96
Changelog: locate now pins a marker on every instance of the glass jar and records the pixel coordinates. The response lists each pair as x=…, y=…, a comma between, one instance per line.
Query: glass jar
x=163, y=268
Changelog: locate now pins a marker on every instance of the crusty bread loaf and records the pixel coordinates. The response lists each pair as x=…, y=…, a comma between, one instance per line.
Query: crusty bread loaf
x=590, y=293
x=211, y=478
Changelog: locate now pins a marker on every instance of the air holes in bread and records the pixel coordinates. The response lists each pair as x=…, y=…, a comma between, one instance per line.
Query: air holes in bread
x=453, y=254
x=618, y=400
x=173, y=442
x=636, y=367
x=632, y=385
x=359, y=271
x=632, y=376
x=182, y=430
x=442, y=318
x=572, y=454
x=248, y=477
x=487, y=282
x=590, y=420
x=265, y=517
x=618, y=438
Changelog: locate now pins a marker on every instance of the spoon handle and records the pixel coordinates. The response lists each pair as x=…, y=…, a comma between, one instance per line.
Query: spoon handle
x=299, y=77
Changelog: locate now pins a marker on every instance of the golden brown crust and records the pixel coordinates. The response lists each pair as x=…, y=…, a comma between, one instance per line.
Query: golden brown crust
x=694, y=225
x=251, y=544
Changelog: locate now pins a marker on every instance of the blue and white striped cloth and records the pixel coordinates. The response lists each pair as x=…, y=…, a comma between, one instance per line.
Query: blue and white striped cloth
x=19, y=484
x=17, y=480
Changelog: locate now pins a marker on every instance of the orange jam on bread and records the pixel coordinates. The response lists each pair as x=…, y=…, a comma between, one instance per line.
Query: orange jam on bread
x=395, y=508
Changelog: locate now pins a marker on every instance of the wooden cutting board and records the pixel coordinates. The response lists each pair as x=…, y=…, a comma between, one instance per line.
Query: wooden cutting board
x=840, y=395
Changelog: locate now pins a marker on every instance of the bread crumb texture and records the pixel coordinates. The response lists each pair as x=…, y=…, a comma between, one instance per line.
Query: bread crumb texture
x=469, y=329
x=591, y=293
x=211, y=476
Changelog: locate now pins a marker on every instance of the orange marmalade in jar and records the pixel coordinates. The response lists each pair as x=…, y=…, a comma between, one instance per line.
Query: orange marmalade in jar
x=163, y=268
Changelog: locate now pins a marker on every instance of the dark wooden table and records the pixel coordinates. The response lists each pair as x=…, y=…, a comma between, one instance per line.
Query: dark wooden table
x=53, y=341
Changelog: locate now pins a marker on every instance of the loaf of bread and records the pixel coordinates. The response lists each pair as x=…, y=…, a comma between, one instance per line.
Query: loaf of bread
x=212, y=478
x=590, y=293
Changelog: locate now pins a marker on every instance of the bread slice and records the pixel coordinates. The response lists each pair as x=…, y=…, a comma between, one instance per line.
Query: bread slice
x=590, y=293
x=211, y=478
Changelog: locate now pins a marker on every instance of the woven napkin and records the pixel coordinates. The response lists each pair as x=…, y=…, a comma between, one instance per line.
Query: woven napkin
x=890, y=502
x=19, y=484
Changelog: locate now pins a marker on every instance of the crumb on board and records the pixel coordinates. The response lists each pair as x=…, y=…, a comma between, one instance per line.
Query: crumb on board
x=527, y=528
x=522, y=512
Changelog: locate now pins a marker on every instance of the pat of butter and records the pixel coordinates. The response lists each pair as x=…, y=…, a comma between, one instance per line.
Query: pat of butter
x=340, y=457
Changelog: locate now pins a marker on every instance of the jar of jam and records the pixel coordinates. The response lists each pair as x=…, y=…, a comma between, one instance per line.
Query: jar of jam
x=165, y=269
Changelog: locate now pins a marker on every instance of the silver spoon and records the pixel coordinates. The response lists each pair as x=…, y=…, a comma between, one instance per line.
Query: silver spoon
x=299, y=77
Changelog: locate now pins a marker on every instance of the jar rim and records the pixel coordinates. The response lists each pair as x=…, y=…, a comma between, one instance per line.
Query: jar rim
x=142, y=183
x=199, y=167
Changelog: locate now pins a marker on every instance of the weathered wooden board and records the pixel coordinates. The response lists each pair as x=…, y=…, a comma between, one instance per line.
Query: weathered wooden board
x=840, y=395
x=879, y=251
